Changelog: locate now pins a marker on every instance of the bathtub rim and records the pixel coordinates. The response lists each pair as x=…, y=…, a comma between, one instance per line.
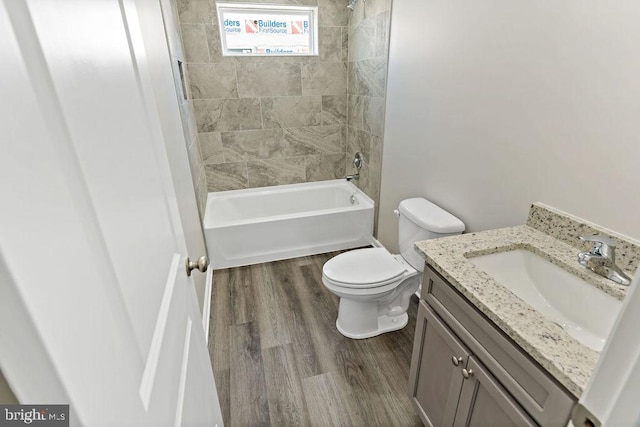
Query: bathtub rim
x=365, y=202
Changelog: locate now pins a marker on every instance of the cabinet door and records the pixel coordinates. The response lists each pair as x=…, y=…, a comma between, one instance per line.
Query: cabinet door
x=435, y=380
x=483, y=401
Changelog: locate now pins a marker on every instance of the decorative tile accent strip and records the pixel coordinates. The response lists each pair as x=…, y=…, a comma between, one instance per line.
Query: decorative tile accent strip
x=567, y=228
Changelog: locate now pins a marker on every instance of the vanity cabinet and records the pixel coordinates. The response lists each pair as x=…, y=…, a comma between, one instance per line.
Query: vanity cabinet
x=466, y=372
x=451, y=387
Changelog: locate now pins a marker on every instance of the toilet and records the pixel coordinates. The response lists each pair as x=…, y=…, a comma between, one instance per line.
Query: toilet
x=374, y=285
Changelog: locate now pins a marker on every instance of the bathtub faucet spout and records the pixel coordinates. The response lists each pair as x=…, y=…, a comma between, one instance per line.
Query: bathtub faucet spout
x=357, y=163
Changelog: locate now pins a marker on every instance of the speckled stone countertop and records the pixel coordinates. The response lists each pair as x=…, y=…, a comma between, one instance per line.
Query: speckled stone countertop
x=570, y=362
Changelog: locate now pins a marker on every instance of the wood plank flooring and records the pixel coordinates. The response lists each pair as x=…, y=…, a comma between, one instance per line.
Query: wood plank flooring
x=279, y=360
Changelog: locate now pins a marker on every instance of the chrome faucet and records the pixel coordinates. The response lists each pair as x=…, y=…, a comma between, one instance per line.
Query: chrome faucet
x=602, y=259
x=357, y=162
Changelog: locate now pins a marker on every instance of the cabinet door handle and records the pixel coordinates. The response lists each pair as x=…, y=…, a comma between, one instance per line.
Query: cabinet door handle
x=467, y=373
x=456, y=360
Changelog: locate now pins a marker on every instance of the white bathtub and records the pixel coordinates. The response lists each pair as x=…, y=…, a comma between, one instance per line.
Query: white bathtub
x=244, y=227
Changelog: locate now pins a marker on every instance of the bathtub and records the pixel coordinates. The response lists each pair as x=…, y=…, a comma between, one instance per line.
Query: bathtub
x=244, y=227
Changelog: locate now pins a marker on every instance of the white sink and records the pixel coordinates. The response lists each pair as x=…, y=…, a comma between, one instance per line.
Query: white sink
x=583, y=311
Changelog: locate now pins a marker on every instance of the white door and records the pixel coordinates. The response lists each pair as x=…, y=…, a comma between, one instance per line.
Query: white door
x=163, y=49
x=96, y=309
x=612, y=394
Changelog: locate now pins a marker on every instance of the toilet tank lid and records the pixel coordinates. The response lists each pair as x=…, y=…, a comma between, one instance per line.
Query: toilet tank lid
x=430, y=216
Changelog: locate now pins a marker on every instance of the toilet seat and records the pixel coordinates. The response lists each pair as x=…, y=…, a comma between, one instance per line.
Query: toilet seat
x=364, y=269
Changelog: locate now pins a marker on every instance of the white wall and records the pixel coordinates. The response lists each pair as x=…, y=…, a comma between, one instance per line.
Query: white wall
x=495, y=104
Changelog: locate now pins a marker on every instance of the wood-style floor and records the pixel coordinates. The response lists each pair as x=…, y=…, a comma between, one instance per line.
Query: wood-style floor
x=279, y=360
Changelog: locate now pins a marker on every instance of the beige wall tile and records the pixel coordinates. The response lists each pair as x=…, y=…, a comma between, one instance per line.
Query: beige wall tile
x=358, y=141
x=356, y=16
x=373, y=115
x=375, y=153
x=217, y=115
x=274, y=120
x=362, y=39
x=226, y=176
x=330, y=44
x=195, y=11
x=383, y=23
x=212, y=81
x=314, y=140
x=289, y=170
x=368, y=77
x=194, y=39
x=214, y=44
x=188, y=116
x=345, y=44
x=324, y=78
x=333, y=13
x=252, y=144
x=276, y=79
x=325, y=166
x=355, y=111
x=291, y=111
x=334, y=109
x=211, y=148
x=375, y=7
x=371, y=186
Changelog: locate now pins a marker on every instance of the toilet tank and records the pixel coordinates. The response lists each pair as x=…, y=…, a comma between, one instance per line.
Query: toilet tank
x=419, y=219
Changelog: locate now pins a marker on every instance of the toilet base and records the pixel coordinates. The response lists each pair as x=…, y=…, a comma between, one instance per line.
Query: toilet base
x=385, y=324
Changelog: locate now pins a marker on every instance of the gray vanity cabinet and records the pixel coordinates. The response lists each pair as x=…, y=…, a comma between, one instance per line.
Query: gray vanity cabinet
x=466, y=372
x=436, y=382
x=483, y=402
x=450, y=387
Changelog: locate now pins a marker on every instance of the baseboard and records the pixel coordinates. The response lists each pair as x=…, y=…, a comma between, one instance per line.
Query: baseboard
x=376, y=243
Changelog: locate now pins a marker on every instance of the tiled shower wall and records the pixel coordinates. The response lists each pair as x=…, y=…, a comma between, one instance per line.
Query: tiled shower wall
x=267, y=120
x=187, y=113
x=280, y=120
x=367, y=76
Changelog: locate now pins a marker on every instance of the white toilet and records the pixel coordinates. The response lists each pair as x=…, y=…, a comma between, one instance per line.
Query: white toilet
x=375, y=286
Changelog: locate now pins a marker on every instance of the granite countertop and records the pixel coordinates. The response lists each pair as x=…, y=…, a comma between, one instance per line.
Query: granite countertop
x=569, y=361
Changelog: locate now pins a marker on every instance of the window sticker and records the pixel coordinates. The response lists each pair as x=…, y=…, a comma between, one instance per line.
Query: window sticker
x=264, y=30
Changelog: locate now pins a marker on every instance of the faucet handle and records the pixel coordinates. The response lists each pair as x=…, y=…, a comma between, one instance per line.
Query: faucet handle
x=602, y=245
x=599, y=238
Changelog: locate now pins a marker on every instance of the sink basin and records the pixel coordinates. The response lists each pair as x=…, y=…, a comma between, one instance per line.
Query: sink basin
x=583, y=311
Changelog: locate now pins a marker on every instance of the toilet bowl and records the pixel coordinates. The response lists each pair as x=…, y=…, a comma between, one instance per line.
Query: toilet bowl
x=375, y=286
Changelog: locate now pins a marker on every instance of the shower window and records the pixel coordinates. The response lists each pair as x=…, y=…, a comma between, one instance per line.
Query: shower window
x=267, y=30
